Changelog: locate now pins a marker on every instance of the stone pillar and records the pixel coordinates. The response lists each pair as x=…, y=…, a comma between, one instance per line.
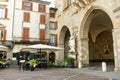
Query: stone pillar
x=116, y=45
x=83, y=53
x=104, y=66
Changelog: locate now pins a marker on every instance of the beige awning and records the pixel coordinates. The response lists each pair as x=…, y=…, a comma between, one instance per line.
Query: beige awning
x=42, y=46
x=4, y=48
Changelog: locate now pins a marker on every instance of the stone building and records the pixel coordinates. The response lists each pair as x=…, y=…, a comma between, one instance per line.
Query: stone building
x=95, y=26
x=53, y=27
x=53, y=33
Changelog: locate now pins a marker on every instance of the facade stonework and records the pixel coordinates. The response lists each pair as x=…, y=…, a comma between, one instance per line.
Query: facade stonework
x=93, y=23
x=88, y=19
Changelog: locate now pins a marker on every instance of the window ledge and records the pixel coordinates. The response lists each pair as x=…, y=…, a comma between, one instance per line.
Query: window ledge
x=4, y=18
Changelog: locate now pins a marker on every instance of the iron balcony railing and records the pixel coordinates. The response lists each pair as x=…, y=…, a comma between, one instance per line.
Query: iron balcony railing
x=30, y=40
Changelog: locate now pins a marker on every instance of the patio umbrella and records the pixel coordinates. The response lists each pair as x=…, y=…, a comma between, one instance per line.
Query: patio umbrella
x=3, y=48
x=41, y=47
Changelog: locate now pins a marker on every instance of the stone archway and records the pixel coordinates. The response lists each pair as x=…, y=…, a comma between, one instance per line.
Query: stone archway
x=52, y=57
x=64, y=39
x=96, y=37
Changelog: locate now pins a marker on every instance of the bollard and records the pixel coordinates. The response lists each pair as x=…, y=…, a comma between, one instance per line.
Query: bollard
x=104, y=67
x=80, y=64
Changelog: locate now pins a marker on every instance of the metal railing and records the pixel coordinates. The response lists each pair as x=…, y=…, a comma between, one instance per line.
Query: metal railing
x=30, y=40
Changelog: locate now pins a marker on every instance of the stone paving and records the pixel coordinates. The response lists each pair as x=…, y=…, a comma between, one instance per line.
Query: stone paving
x=57, y=74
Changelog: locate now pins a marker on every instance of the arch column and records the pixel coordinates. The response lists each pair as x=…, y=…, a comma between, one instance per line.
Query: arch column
x=83, y=51
x=116, y=44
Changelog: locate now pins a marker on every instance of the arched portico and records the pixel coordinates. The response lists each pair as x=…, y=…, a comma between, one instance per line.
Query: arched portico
x=63, y=40
x=96, y=39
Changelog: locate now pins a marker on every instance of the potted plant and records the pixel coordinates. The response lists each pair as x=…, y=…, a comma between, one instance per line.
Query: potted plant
x=33, y=63
x=70, y=61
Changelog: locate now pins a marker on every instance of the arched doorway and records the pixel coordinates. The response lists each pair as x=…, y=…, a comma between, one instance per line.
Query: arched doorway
x=100, y=39
x=64, y=39
x=52, y=57
x=96, y=39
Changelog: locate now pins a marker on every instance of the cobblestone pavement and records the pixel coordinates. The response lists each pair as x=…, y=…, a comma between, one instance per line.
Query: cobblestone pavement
x=57, y=74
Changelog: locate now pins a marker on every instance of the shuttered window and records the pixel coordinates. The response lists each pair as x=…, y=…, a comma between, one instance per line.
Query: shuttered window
x=31, y=6
x=25, y=34
x=42, y=35
x=38, y=7
x=26, y=17
x=4, y=35
x=42, y=19
x=56, y=39
x=6, y=13
x=27, y=5
x=22, y=4
x=41, y=8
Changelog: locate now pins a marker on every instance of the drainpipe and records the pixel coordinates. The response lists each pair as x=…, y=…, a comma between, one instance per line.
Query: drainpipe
x=13, y=19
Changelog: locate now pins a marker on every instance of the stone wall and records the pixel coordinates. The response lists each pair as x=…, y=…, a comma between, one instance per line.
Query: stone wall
x=103, y=47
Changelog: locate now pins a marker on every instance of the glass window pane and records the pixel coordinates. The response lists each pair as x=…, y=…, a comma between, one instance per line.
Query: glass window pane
x=2, y=12
x=52, y=25
x=27, y=6
x=52, y=39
